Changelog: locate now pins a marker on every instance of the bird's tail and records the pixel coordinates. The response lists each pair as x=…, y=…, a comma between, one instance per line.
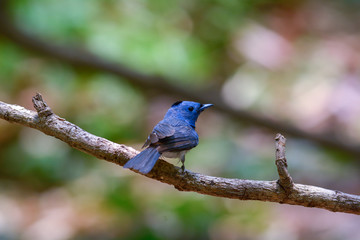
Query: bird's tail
x=144, y=161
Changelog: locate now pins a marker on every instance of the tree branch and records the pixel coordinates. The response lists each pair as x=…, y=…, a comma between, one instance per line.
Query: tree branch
x=49, y=123
x=84, y=59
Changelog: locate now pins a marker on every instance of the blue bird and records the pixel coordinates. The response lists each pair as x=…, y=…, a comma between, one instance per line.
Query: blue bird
x=172, y=137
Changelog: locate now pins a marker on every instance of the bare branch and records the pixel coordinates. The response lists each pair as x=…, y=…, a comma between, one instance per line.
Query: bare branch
x=84, y=59
x=304, y=195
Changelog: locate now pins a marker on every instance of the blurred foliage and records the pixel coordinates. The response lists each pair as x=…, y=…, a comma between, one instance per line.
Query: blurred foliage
x=296, y=61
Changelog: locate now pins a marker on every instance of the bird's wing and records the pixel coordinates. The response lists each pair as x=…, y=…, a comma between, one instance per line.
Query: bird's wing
x=184, y=138
x=160, y=131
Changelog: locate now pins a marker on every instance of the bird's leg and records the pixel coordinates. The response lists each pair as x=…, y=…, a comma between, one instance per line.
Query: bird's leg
x=182, y=159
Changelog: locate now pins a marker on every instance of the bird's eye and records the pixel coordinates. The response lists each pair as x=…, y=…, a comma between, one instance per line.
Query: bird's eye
x=191, y=109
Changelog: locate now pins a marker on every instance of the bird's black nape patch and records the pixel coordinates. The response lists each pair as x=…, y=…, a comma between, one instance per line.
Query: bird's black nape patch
x=176, y=103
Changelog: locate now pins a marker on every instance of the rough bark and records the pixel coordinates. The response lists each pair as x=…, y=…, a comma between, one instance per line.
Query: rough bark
x=283, y=190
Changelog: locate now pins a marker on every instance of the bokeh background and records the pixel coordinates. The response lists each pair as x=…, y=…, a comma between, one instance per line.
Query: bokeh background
x=292, y=61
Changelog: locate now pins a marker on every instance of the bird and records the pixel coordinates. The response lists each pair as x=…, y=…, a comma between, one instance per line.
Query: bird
x=172, y=137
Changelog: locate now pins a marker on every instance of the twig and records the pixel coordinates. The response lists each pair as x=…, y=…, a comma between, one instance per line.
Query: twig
x=285, y=179
x=84, y=59
x=303, y=195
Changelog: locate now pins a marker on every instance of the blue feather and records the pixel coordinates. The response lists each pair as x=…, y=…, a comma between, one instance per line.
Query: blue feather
x=144, y=161
x=173, y=136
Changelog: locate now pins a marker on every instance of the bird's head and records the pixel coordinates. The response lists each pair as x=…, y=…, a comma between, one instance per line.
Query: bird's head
x=186, y=111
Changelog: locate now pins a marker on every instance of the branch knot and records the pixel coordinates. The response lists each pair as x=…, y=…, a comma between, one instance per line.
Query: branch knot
x=41, y=107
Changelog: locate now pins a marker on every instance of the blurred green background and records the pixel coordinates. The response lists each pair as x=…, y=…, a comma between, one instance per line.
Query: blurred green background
x=294, y=61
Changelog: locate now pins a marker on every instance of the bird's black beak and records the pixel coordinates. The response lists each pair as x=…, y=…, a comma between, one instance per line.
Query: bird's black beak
x=205, y=106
